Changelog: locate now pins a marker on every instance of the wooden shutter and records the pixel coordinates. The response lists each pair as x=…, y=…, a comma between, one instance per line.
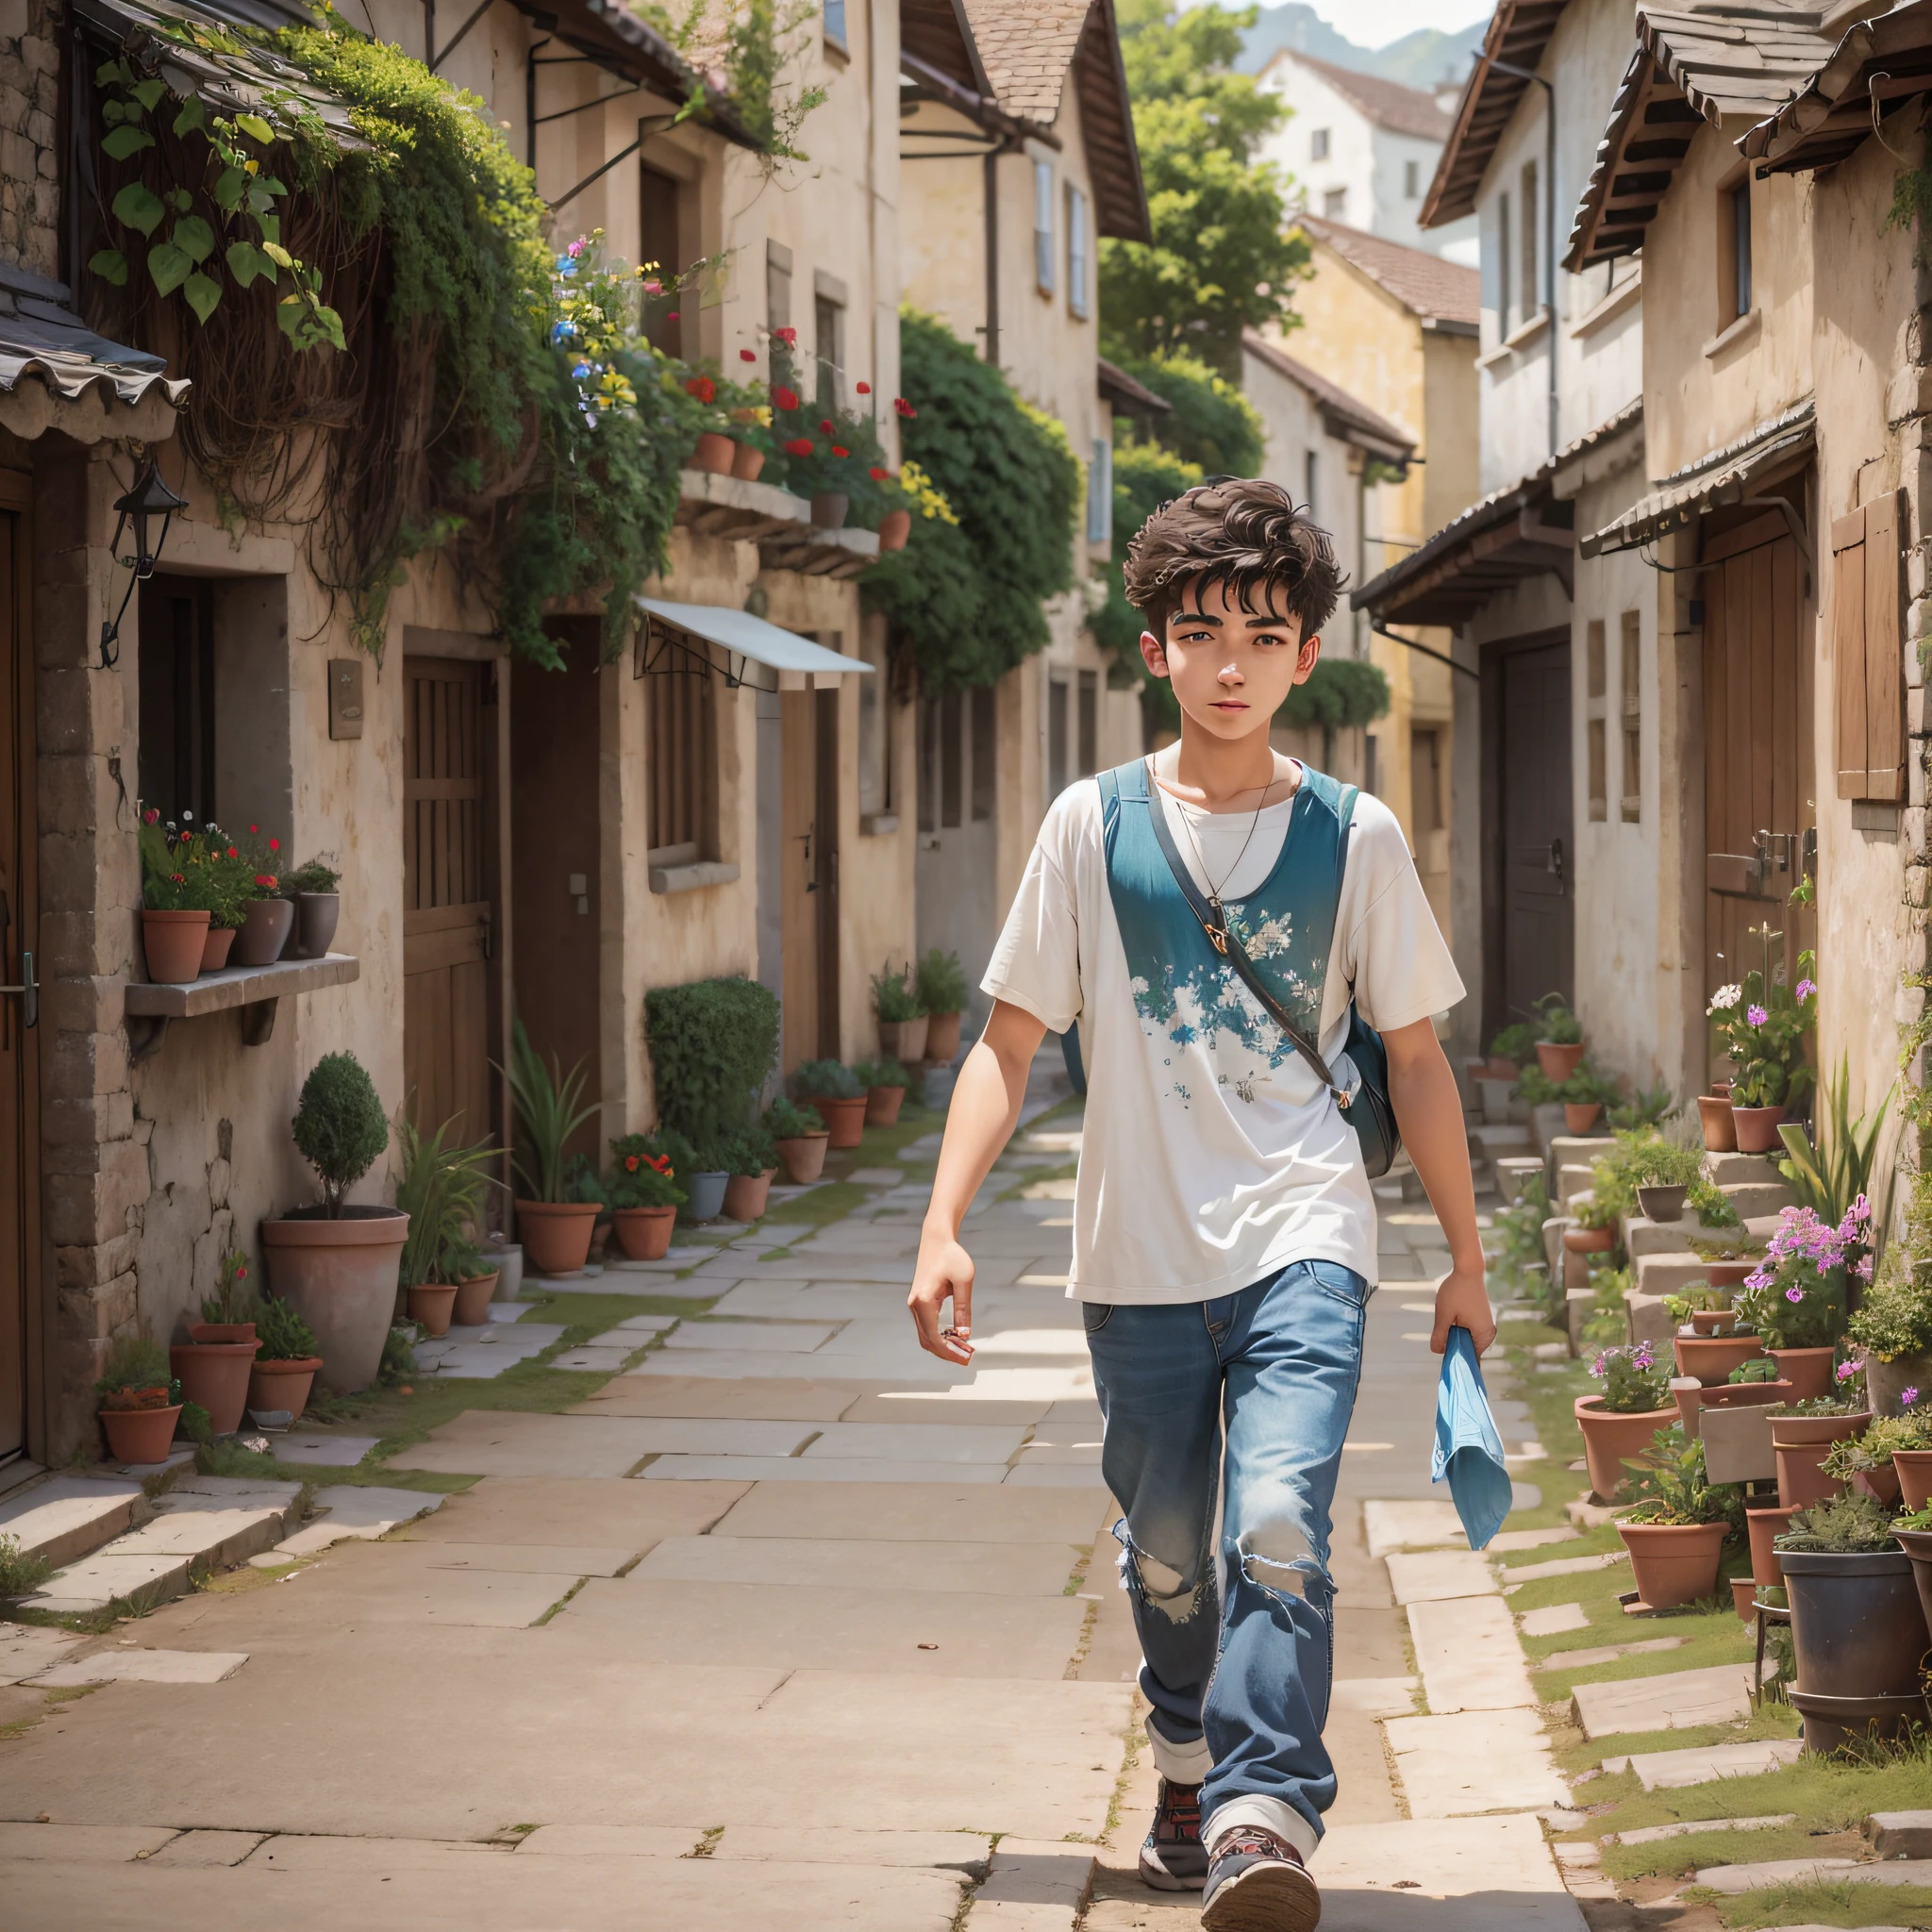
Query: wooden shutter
x=1869, y=670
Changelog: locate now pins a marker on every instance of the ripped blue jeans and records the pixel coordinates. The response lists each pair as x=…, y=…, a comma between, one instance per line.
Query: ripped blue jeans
x=1236, y=1633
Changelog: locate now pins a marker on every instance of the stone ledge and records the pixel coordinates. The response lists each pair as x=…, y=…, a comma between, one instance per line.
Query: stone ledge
x=239, y=986
x=694, y=877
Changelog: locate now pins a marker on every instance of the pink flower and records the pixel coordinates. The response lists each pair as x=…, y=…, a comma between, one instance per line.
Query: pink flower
x=1757, y=1015
x=1807, y=989
x=1907, y=1396
x=1845, y=1371
x=1794, y=1294
x=654, y=287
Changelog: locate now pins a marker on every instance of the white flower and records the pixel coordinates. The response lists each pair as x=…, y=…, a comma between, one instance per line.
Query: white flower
x=1725, y=998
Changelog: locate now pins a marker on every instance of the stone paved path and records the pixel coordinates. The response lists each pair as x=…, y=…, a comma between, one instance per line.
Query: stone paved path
x=789, y=1626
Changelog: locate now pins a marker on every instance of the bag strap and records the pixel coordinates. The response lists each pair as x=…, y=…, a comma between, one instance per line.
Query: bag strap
x=1213, y=917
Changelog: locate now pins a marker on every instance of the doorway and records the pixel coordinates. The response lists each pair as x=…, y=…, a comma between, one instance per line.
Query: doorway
x=809, y=901
x=1529, y=923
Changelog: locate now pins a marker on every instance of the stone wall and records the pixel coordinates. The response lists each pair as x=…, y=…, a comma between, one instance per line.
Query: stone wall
x=30, y=39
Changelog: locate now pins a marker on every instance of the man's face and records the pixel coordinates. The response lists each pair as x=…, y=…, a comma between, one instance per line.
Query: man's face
x=1230, y=668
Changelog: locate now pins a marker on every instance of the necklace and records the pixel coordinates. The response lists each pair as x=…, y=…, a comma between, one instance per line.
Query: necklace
x=1214, y=889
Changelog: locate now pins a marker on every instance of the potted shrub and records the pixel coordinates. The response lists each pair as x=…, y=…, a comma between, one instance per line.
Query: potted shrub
x=645, y=1197
x=1510, y=1051
x=1795, y=1296
x=1620, y=1423
x=885, y=1082
x=751, y=1156
x=706, y=1180
x=441, y=1189
x=1858, y=1626
x=836, y=1095
x=1803, y=1432
x=468, y=1266
x=1863, y=1463
x=284, y=1368
x=902, y=1018
x=318, y=906
x=1892, y=1326
x=830, y=456
x=1559, y=1038
x=338, y=1264
x=1584, y=1094
x=1592, y=1228
x=713, y=1044
x=748, y=420
x=211, y=1367
x=1764, y=1025
x=940, y=988
x=1711, y=1356
x=1676, y=1533
x=269, y=917
x=582, y=1182
x=1912, y=1452
x=1665, y=1174
x=555, y=1229
x=800, y=1137
x=227, y=885
x=707, y=422
x=175, y=903
x=138, y=1406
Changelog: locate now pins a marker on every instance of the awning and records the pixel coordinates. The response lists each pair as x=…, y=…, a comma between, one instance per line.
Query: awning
x=56, y=373
x=1725, y=477
x=755, y=653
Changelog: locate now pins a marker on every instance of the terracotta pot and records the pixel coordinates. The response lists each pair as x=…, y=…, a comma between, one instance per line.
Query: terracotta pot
x=475, y=1293
x=903, y=1040
x=1807, y=1369
x=1713, y=1322
x=555, y=1235
x=431, y=1304
x=1719, y=1130
x=1914, y=1468
x=1557, y=1062
x=1579, y=1117
x=644, y=1233
x=882, y=1105
x=1744, y=1396
x=715, y=452
x=1762, y=1526
x=1590, y=1240
x=215, y=1373
x=804, y=1156
x=1881, y=1483
x=173, y=943
x=140, y=1435
x=1712, y=1358
x=1803, y=1442
x=1674, y=1563
x=894, y=527
x=316, y=914
x=941, y=1036
x=1758, y=1129
x=828, y=510
x=221, y=1331
x=282, y=1384
x=1609, y=1437
x=1729, y=1273
x=1886, y=1382
x=216, y=948
x=264, y=932
x=1743, y=1588
x=1917, y=1547
x=844, y=1118
x=1663, y=1204
x=341, y=1278
x=744, y=1196
x=747, y=461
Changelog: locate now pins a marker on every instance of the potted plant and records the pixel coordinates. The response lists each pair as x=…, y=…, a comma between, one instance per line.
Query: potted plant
x=221, y=879
x=1764, y=1025
x=1892, y=1326
x=707, y=423
x=706, y=1180
x=1711, y=1356
x=645, y=1197
x=270, y=918
x=1714, y=1118
x=1803, y=1432
x=940, y=988
x=337, y=1264
x=1665, y=1176
x=582, y=1182
x=1912, y=1452
x=138, y=1405
x=1864, y=1462
x=1559, y=1038
x=555, y=1230
x=1510, y=1051
x=468, y=1266
x=902, y=1018
x=751, y=1155
x=318, y=906
x=1592, y=1228
x=836, y=1095
x=212, y=1365
x=441, y=1189
x=1584, y=1094
x=1675, y=1534
x=175, y=903
x=1795, y=1296
x=284, y=1368
x=885, y=1082
x=800, y=1137
x=1914, y=1532
x=1620, y=1423
x=829, y=455
x=713, y=1044
x=748, y=422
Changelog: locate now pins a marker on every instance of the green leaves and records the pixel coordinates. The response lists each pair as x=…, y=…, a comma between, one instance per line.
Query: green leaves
x=248, y=264
x=169, y=266
x=139, y=208
x=256, y=129
x=192, y=118
x=201, y=292
x=111, y=265
x=120, y=142
x=194, y=238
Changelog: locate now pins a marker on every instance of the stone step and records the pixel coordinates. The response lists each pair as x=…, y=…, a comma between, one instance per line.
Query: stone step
x=1678, y=1702
x=1672, y=1771
x=1736, y=1170
x=1670, y=1273
x=1900, y=1834
x=65, y=1518
x=1512, y=1172
x=1492, y=1141
x=1752, y=1199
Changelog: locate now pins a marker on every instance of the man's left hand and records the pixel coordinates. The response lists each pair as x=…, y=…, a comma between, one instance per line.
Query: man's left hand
x=1462, y=1302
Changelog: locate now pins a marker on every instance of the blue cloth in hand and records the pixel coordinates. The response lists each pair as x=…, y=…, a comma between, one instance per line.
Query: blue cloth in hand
x=1468, y=1449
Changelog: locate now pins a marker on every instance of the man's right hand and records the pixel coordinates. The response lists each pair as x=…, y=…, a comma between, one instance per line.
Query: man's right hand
x=944, y=1273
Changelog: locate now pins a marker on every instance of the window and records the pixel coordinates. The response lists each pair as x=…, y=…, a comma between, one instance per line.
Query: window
x=1412, y=180
x=1335, y=203
x=683, y=752
x=1043, y=227
x=1596, y=726
x=778, y=307
x=178, y=697
x=1056, y=736
x=834, y=25
x=1867, y=674
x=1311, y=476
x=958, y=760
x=1425, y=783
x=874, y=723
x=1076, y=253
x=1100, y=493
x=1318, y=145
x=929, y=763
x=1505, y=284
x=985, y=752
x=1527, y=300
x=951, y=758
x=829, y=330
x=660, y=243
x=1086, y=721
x=1740, y=249
x=1632, y=668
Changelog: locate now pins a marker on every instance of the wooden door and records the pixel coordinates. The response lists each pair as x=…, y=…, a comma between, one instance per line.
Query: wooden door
x=1760, y=792
x=799, y=896
x=20, y=1325
x=824, y=854
x=449, y=917
x=1536, y=856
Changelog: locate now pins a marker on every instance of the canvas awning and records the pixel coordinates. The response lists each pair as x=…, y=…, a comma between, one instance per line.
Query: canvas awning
x=744, y=649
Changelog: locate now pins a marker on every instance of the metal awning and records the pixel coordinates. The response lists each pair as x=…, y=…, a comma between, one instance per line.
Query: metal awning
x=56, y=373
x=1724, y=478
x=682, y=636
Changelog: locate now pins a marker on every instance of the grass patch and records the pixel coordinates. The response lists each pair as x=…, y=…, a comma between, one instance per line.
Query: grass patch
x=587, y=1316
x=823, y=1206
x=1831, y=1902
x=1031, y=1177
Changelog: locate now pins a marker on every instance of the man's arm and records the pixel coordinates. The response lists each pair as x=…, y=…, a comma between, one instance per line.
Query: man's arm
x=1428, y=1111
x=985, y=1110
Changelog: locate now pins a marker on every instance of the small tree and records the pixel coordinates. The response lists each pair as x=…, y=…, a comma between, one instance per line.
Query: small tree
x=340, y=1127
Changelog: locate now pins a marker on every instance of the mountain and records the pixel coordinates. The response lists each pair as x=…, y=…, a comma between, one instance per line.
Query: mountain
x=1423, y=59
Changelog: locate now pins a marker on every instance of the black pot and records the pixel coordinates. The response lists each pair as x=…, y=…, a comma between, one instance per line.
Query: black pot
x=1832, y=1723
x=1661, y=1203
x=1858, y=1626
x=315, y=922
x=1918, y=1544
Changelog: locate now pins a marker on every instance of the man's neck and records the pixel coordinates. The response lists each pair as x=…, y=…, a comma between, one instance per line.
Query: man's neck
x=1222, y=773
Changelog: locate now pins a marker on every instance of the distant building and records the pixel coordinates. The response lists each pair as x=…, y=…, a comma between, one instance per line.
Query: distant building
x=1362, y=151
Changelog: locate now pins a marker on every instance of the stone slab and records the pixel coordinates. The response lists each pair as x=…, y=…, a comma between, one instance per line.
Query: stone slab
x=212, y=1532
x=1374, y=1696
x=208, y=1850
x=947, y=1510
x=1806, y=1871
x=521, y=1559
x=778, y=1469
x=28, y=1649
x=786, y=1562
x=905, y=1367
x=955, y=1851
x=1553, y=1620
x=81, y=1844
x=591, y=1360
x=965, y=1404
x=117, y=1666
x=959, y=1441
x=1900, y=1834
x=1440, y=1573
x=647, y=1393
x=485, y=1442
x=104, y=1577
x=1564, y=1566
x=1474, y=1761
x=612, y=1842
x=1672, y=1703
x=1509, y=1540
x=1026, y=1872
x=1657, y=1834
x=364, y=1586
x=786, y=1337
x=351, y=1510
x=1058, y=1475
x=584, y=1510
x=1395, y=1526
x=638, y=1324
x=1605, y=1654
x=1467, y=1651
x=1475, y=1874
x=1670, y=1770
x=330, y=1452
x=66, y=1516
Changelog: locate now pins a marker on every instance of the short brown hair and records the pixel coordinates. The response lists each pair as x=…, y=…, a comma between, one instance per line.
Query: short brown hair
x=1246, y=535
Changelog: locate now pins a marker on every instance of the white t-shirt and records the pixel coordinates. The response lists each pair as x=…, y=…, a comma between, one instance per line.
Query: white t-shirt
x=1204, y=1168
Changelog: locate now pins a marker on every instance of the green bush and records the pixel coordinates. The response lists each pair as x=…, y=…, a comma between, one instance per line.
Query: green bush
x=285, y=1337
x=340, y=1127
x=1894, y=1317
x=1516, y=1043
x=829, y=1079
x=1212, y=423
x=747, y=1150
x=1840, y=1525
x=894, y=997
x=1561, y=1027
x=19, y=1572
x=712, y=1043
x=789, y=1122
x=135, y=1363
x=940, y=983
x=881, y=1072
x=1340, y=693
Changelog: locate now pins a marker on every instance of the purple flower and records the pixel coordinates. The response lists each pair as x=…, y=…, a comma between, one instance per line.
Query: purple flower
x=1907, y=1396
x=1794, y=1294
x=1845, y=1371
x=1806, y=989
x=1757, y=1015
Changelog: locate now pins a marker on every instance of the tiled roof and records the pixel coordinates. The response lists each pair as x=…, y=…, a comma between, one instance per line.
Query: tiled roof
x=1387, y=103
x=1881, y=67
x=1518, y=31
x=42, y=337
x=1351, y=421
x=1128, y=393
x=1437, y=291
x=1027, y=48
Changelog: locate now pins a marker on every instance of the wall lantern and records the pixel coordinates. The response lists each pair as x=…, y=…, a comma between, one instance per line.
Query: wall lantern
x=149, y=499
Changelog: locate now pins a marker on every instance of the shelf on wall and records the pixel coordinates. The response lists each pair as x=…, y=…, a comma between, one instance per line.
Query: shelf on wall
x=151, y=1005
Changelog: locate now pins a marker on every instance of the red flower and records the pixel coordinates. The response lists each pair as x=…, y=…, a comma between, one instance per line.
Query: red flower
x=785, y=398
x=274, y=844
x=879, y=476
x=233, y=854
x=152, y=816
x=838, y=451
x=179, y=878
x=241, y=1274
x=630, y=1161
x=701, y=387
x=825, y=426
x=266, y=880
x=661, y=1162
x=787, y=336
x=673, y=316
x=904, y=408
x=864, y=388
x=746, y=356
x=799, y=446
x=255, y=828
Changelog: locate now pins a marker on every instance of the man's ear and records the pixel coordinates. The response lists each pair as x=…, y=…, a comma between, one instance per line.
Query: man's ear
x=1153, y=654
x=1307, y=655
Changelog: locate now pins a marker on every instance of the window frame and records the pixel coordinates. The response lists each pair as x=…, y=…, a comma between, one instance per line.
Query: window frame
x=1321, y=141
x=1079, y=298
x=1045, y=268
x=1100, y=493
x=834, y=26
x=681, y=762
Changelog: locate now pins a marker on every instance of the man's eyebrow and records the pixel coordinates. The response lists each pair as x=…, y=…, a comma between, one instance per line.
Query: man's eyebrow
x=1196, y=617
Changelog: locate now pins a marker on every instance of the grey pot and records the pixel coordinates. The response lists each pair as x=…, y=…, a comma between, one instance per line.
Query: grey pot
x=828, y=510
x=264, y=933
x=706, y=1191
x=316, y=914
x=1661, y=1204
x=1885, y=1382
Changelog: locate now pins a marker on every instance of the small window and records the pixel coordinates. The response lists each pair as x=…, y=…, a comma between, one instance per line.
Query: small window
x=1335, y=205
x=1043, y=227
x=929, y=763
x=1318, y=145
x=1087, y=720
x=1312, y=477
x=874, y=723
x=985, y=752
x=951, y=758
x=1100, y=493
x=1056, y=736
x=1078, y=302
x=1426, y=782
x=660, y=242
x=1506, y=290
x=834, y=25
x=1740, y=249
x=828, y=323
x=680, y=715
x=1596, y=725
x=778, y=309
x=1526, y=300
x=1633, y=718
x=177, y=698
x=1412, y=180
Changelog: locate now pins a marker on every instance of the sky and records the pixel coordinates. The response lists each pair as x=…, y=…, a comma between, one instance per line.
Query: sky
x=1375, y=23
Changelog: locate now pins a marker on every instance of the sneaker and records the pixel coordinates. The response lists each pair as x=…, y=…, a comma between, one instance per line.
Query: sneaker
x=1173, y=1858
x=1258, y=1883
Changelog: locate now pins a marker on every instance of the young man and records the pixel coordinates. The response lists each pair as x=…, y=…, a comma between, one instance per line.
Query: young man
x=1224, y=1229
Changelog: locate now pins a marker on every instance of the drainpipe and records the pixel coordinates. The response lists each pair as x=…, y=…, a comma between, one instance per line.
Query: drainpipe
x=992, y=251
x=1549, y=218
